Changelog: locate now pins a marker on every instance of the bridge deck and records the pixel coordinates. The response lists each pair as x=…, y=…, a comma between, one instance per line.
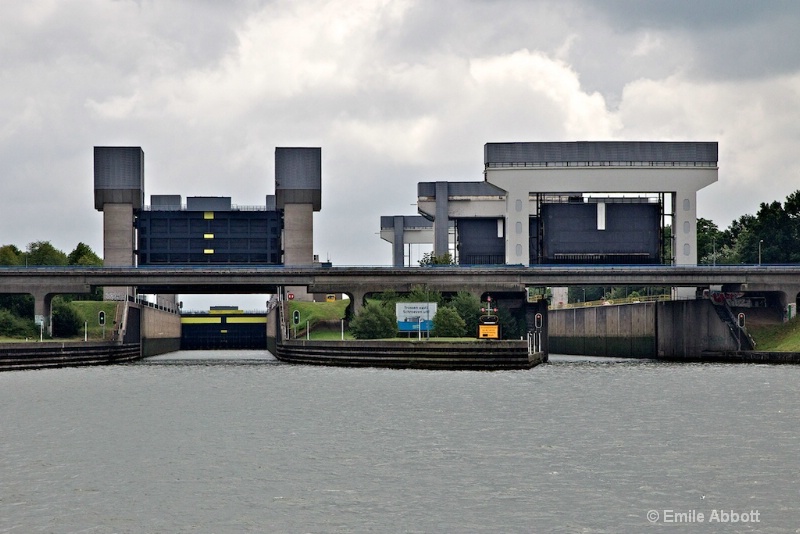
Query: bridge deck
x=244, y=279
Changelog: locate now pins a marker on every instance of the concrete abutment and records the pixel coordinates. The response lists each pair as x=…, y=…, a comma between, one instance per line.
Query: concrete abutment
x=683, y=329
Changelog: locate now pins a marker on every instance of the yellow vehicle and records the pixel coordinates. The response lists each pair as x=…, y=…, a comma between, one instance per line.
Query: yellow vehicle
x=330, y=298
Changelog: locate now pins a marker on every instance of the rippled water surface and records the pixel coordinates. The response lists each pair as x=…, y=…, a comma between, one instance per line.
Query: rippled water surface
x=237, y=442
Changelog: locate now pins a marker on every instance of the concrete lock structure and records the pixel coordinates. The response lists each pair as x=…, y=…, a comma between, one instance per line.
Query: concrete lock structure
x=604, y=202
x=205, y=230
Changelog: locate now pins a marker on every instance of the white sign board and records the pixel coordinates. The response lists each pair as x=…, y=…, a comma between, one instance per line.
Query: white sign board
x=39, y=320
x=414, y=316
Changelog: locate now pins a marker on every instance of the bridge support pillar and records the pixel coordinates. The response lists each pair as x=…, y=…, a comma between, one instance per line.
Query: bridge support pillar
x=356, y=302
x=43, y=311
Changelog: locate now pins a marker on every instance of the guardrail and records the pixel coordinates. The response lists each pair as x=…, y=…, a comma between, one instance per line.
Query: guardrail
x=610, y=302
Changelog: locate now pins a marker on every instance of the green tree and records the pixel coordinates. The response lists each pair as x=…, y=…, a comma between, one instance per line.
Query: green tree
x=513, y=325
x=19, y=305
x=423, y=294
x=43, y=253
x=85, y=256
x=448, y=323
x=67, y=321
x=667, y=256
x=584, y=293
x=770, y=232
x=429, y=258
x=13, y=326
x=376, y=320
x=11, y=255
x=389, y=297
x=468, y=307
x=710, y=242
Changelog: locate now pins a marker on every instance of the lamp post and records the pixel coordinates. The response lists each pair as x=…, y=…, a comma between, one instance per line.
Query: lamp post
x=759, y=252
x=714, y=251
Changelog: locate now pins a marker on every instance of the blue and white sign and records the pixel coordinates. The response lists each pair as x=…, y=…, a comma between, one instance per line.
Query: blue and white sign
x=415, y=316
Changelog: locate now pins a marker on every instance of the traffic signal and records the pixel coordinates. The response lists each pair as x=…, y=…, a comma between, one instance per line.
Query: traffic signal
x=101, y=318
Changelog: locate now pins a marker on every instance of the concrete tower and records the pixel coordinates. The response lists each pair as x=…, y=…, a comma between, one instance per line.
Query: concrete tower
x=118, y=192
x=298, y=192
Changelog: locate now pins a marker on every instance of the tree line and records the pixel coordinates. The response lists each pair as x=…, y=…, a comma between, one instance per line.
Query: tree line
x=774, y=232
x=16, y=311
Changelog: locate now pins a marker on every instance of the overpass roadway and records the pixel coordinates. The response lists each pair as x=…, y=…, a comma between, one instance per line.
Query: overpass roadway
x=360, y=281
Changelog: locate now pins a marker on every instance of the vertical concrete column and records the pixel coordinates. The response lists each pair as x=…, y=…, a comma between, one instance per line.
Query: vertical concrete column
x=298, y=234
x=43, y=309
x=298, y=242
x=684, y=234
x=685, y=230
x=517, y=227
x=118, y=244
x=357, y=297
x=441, y=224
x=398, y=246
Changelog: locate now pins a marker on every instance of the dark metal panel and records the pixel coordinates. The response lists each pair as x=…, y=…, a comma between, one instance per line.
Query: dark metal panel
x=478, y=243
x=298, y=176
x=533, y=240
x=165, y=202
x=208, y=203
x=180, y=237
x=118, y=176
x=600, y=151
x=570, y=233
x=118, y=167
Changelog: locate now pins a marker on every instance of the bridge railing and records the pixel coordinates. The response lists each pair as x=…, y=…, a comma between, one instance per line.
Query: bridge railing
x=624, y=300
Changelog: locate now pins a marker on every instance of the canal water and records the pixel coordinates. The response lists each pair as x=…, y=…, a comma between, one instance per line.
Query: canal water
x=238, y=442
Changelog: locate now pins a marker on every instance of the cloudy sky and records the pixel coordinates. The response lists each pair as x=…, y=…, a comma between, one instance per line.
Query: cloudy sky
x=395, y=93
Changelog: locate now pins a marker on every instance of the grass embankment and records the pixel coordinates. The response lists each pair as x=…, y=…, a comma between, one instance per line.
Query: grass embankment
x=324, y=319
x=783, y=337
x=88, y=311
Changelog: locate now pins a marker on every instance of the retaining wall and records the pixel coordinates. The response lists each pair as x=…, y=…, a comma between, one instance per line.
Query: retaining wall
x=478, y=355
x=689, y=328
x=160, y=331
x=19, y=356
x=624, y=330
x=681, y=329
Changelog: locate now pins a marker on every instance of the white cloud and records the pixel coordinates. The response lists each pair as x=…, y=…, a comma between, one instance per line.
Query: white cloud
x=537, y=80
x=647, y=44
x=755, y=122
